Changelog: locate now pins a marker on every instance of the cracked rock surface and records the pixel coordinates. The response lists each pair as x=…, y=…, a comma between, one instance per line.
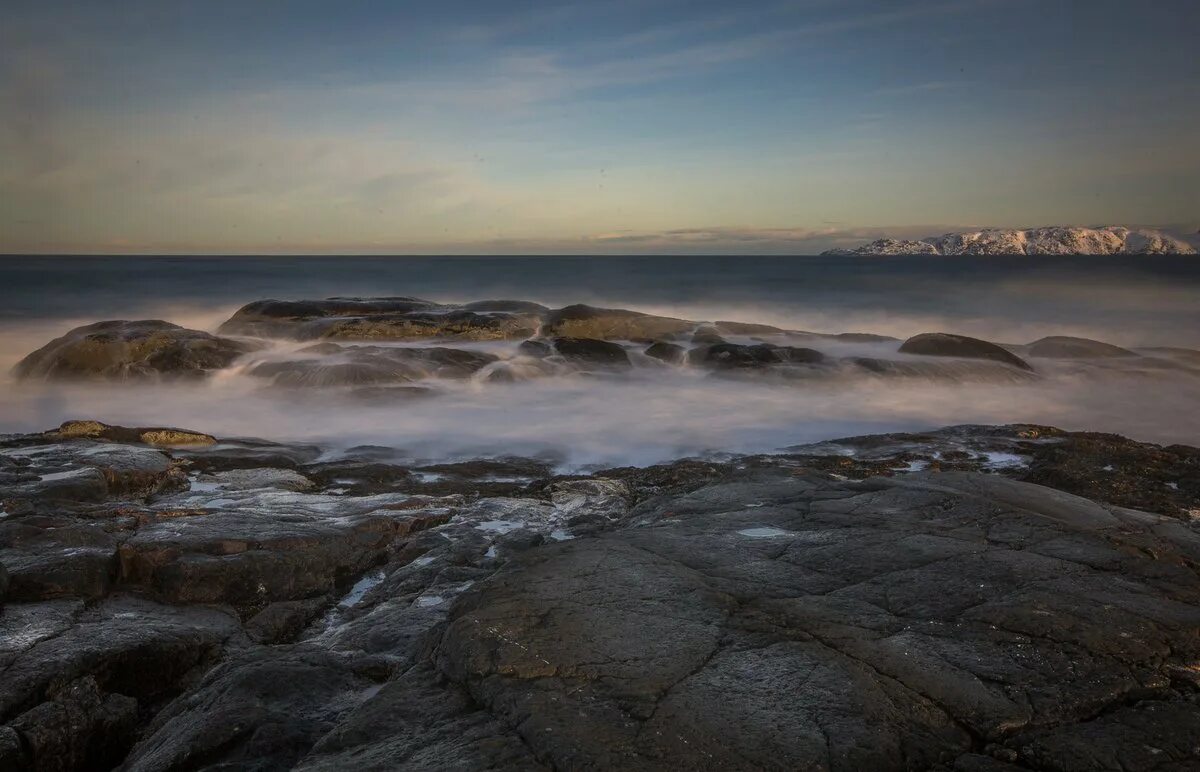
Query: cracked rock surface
x=895, y=602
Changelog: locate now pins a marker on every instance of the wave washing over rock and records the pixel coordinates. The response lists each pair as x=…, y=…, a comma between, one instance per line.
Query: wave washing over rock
x=974, y=598
x=580, y=384
x=1059, y=240
x=1012, y=597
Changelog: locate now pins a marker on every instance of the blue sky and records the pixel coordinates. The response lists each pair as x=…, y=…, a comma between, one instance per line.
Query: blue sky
x=652, y=126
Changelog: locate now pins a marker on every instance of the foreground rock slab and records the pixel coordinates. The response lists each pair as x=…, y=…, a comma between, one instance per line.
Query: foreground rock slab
x=889, y=602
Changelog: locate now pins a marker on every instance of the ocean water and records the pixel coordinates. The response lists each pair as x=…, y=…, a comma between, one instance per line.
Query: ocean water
x=653, y=414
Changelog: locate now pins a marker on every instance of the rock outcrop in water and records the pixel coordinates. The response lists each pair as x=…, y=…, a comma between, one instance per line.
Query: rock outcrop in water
x=905, y=601
x=944, y=344
x=132, y=350
x=417, y=348
x=1058, y=240
x=385, y=319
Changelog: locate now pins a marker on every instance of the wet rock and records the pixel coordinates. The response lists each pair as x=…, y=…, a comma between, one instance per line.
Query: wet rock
x=953, y=370
x=248, y=453
x=707, y=335
x=581, y=321
x=127, y=350
x=371, y=365
x=385, y=319
x=264, y=709
x=746, y=328
x=733, y=356
x=85, y=470
x=535, y=348
x=360, y=477
x=670, y=353
x=249, y=549
x=69, y=560
x=588, y=351
x=942, y=344
x=129, y=646
x=1114, y=469
x=463, y=325
x=283, y=318
x=1064, y=347
x=507, y=306
x=415, y=722
x=251, y=479
x=782, y=622
x=79, y=727
x=283, y=621
x=150, y=436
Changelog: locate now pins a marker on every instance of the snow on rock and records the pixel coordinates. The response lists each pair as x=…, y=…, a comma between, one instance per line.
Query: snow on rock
x=1054, y=240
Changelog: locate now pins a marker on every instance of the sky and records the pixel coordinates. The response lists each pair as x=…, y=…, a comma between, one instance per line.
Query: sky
x=772, y=126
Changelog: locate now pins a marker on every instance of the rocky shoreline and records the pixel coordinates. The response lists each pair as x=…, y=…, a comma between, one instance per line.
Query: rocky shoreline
x=973, y=598
x=398, y=348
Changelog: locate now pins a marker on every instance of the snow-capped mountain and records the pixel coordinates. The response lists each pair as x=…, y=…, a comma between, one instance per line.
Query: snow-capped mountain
x=1055, y=240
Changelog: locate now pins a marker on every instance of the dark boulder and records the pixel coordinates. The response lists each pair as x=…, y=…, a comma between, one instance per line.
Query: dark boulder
x=943, y=344
x=127, y=350
x=78, y=727
x=535, y=348
x=248, y=453
x=670, y=353
x=581, y=321
x=732, y=356
x=587, y=351
x=1064, y=347
x=707, y=335
x=264, y=710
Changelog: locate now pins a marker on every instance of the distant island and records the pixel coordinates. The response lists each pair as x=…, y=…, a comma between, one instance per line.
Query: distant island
x=1055, y=240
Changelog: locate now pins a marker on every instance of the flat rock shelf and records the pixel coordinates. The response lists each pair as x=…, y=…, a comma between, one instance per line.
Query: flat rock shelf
x=975, y=598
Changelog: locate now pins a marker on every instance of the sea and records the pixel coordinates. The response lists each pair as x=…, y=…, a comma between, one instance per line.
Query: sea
x=656, y=414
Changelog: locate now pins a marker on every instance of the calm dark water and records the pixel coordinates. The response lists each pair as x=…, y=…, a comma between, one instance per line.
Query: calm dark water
x=1136, y=301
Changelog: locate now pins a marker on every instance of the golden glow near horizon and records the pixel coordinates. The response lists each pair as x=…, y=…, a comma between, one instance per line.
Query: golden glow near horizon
x=216, y=128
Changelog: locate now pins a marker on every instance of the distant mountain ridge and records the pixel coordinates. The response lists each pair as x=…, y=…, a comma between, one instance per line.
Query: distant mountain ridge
x=1054, y=240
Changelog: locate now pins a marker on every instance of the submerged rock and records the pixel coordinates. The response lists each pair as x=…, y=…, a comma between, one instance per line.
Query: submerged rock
x=944, y=344
x=1065, y=347
x=671, y=353
x=127, y=350
x=591, y=352
x=732, y=356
